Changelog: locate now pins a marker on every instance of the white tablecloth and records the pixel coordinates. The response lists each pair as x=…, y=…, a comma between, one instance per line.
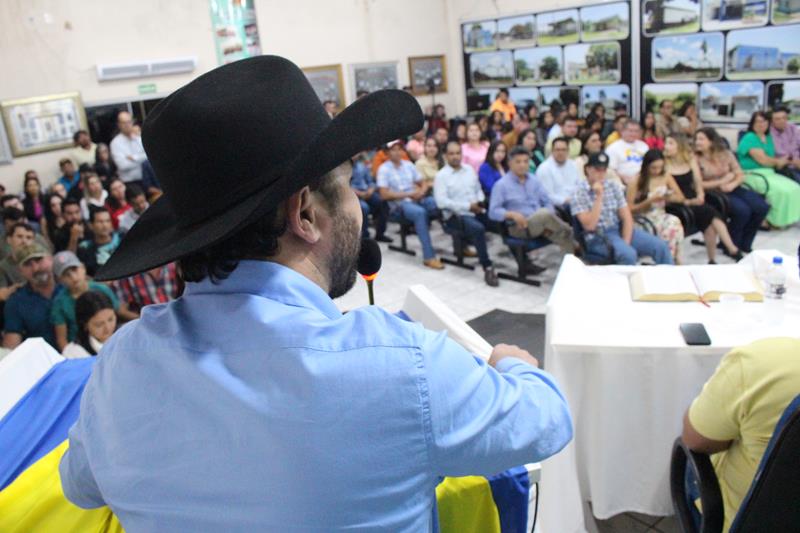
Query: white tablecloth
x=22, y=368
x=629, y=377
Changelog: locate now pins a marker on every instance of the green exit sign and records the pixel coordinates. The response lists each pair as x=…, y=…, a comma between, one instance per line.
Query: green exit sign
x=147, y=88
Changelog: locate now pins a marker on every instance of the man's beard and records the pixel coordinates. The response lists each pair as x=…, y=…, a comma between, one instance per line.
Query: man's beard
x=344, y=255
x=41, y=278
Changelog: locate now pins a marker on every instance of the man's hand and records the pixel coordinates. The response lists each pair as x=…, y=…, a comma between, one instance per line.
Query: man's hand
x=369, y=192
x=781, y=162
x=503, y=351
x=598, y=187
x=727, y=187
x=417, y=195
x=76, y=231
x=6, y=292
x=476, y=208
x=519, y=220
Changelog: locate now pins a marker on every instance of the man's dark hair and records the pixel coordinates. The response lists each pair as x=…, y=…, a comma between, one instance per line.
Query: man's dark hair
x=619, y=118
x=503, y=91
x=560, y=140
x=518, y=150
x=569, y=118
x=24, y=225
x=28, y=173
x=257, y=240
x=13, y=213
x=133, y=191
x=96, y=210
x=781, y=109
x=70, y=201
x=664, y=101
x=7, y=197
x=77, y=135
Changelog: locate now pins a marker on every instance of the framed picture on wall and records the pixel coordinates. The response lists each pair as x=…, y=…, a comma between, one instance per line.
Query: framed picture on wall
x=372, y=77
x=786, y=94
x=327, y=83
x=479, y=36
x=514, y=32
x=730, y=101
x=610, y=96
x=5, y=149
x=491, y=69
x=670, y=16
x=559, y=96
x=557, y=27
x=655, y=93
x=43, y=123
x=604, y=22
x=539, y=66
x=424, y=70
x=696, y=57
x=763, y=53
x=593, y=63
x=726, y=15
x=785, y=11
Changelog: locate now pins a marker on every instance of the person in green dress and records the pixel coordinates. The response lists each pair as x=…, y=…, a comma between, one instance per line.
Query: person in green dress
x=756, y=155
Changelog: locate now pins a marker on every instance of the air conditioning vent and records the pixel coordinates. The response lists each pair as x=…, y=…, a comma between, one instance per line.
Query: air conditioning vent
x=146, y=68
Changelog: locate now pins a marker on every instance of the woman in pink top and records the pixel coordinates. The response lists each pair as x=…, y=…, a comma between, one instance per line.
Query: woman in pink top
x=416, y=146
x=473, y=152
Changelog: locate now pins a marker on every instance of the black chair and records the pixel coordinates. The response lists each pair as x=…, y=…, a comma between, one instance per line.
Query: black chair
x=646, y=224
x=771, y=505
x=587, y=257
x=459, y=241
x=519, y=249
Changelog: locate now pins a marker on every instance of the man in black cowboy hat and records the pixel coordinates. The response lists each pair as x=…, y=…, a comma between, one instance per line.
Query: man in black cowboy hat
x=251, y=403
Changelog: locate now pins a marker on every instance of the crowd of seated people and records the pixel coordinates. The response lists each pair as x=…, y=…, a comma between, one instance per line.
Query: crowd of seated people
x=54, y=239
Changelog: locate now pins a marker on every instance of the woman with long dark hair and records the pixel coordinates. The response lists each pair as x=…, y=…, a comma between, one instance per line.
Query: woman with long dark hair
x=97, y=321
x=648, y=197
x=34, y=201
x=104, y=164
x=53, y=216
x=649, y=134
x=117, y=204
x=494, y=167
x=546, y=121
x=527, y=139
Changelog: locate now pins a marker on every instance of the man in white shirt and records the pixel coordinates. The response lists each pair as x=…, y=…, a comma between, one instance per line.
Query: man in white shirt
x=138, y=202
x=127, y=150
x=568, y=131
x=559, y=174
x=458, y=193
x=625, y=155
x=84, y=151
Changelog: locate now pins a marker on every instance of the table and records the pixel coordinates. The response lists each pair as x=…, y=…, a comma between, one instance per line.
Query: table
x=628, y=378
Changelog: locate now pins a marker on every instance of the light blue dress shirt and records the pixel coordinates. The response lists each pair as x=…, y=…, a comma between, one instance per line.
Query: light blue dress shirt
x=510, y=194
x=256, y=405
x=456, y=190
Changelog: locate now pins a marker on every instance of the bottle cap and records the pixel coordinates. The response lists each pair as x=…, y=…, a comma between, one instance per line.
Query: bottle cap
x=777, y=260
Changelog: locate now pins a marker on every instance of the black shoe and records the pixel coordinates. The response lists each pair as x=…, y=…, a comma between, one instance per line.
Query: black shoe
x=490, y=277
x=738, y=256
x=383, y=238
x=712, y=262
x=533, y=269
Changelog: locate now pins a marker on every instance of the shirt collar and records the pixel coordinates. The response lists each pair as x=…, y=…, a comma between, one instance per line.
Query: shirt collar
x=273, y=281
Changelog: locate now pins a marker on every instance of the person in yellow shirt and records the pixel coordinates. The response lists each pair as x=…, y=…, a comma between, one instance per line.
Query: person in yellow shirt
x=504, y=104
x=735, y=414
x=616, y=134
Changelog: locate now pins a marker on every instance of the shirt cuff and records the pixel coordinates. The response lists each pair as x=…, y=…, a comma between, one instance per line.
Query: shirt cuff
x=514, y=365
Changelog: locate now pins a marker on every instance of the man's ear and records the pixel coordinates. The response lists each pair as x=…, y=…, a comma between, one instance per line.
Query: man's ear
x=302, y=215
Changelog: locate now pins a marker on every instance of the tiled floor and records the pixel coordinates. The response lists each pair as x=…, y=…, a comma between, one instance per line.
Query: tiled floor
x=466, y=293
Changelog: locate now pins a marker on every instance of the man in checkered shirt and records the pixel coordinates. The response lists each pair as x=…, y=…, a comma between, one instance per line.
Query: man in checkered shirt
x=603, y=212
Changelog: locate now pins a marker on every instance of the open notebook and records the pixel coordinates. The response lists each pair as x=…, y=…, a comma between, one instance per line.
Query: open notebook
x=670, y=284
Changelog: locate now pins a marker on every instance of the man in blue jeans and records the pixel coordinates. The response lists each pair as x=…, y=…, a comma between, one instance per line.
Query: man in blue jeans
x=402, y=186
x=603, y=212
x=371, y=202
x=458, y=193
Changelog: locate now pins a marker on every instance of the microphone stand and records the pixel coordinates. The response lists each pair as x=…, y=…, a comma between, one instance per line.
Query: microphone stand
x=369, y=280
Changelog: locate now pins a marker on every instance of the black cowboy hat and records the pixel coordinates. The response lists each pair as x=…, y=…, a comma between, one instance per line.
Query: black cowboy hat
x=235, y=142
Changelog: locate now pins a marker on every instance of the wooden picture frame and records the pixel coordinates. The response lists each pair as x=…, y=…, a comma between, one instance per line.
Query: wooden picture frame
x=328, y=83
x=420, y=70
x=43, y=123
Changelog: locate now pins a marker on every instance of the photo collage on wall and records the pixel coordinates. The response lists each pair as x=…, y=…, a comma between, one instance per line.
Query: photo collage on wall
x=579, y=55
x=728, y=57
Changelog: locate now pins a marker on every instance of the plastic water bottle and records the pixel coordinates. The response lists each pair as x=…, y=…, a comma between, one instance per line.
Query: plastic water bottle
x=776, y=289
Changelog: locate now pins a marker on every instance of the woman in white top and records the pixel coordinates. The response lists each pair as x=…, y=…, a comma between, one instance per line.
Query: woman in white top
x=94, y=313
x=93, y=193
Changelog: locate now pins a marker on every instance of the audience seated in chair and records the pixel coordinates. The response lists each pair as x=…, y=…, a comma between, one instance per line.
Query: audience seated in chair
x=96, y=322
x=85, y=151
x=648, y=198
x=721, y=172
x=33, y=199
x=757, y=157
x=20, y=236
x=74, y=230
x=95, y=251
x=520, y=199
x=618, y=124
x=559, y=174
x=625, y=155
x=430, y=162
x=136, y=199
x=649, y=135
x=458, y=194
x=475, y=149
x=401, y=185
x=156, y=286
x=70, y=178
x=682, y=165
x=527, y=140
x=735, y=414
x=605, y=217
x=505, y=105
x=592, y=144
x=94, y=195
x=666, y=122
x=569, y=131
x=371, y=203
x=11, y=217
x=786, y=138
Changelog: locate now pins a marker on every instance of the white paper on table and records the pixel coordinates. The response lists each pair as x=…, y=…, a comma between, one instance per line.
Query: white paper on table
x=422, y=306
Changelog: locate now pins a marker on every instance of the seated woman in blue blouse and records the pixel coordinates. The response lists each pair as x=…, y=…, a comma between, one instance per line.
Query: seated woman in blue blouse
x=494, y=167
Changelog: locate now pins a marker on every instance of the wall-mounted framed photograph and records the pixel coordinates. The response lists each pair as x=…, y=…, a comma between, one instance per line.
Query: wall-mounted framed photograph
x=661, y=17
x=479, y=36
x=763, y=53
x=327, y=82
x=610, y=96
x=727, y=14
x=43, y=123
x=593, y=63
x=491, y=69
x=605, y=22
x=515, y=32
x=786, y=94
x=655, y=93
x=372, y=77
x=5, y=148
x=539, y=66
x=730, y=101
x=785, y=11
x=523, y=97
x=557, y=27
x=559, y=96
x=424, y=70
x=695, y=57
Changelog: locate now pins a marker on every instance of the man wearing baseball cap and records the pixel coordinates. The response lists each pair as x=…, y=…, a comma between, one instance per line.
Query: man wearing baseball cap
x=27, y=311
x=603, y=212
x=71, y=273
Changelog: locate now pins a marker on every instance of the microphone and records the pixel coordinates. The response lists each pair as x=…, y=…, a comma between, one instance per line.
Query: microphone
x=369, y=263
